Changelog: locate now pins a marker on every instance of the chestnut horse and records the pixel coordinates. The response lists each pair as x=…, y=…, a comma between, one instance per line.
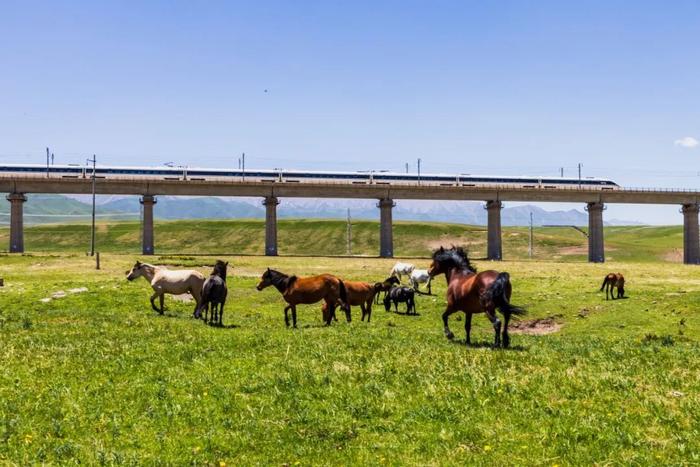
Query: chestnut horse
x=306, y=291
x=473, y=292
x=611, y=281
x=360, y=294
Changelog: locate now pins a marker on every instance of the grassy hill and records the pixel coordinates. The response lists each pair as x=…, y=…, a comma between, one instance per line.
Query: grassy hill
x=328, y=237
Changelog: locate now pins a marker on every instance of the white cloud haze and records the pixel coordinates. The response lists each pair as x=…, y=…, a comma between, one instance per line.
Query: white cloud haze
x=686, y=142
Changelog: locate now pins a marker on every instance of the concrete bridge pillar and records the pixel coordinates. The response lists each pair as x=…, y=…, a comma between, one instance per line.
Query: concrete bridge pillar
x=494, y=249
x=386, y=236
x=691, y=240
x=596, y=247
x=147, y=242
x=17, y=222
x=271, y=203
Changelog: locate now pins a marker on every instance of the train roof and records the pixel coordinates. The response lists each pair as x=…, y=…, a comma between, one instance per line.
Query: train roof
x=314, y=172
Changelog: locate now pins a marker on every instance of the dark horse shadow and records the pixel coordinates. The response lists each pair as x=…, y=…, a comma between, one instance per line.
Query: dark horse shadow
x=404, y=313
x=489, y=345
x=223, y=326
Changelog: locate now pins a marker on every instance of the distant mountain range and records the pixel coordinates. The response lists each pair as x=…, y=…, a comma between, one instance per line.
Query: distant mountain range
x=58, y=208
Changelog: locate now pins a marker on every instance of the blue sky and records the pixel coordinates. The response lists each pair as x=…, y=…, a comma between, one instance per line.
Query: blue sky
x=507, y=87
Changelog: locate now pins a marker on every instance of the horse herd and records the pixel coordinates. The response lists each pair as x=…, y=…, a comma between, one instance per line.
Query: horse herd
x=468, y=291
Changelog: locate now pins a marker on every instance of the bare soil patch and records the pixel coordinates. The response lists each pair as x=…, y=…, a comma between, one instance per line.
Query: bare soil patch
x=673, y=256
x=537, y=327
x=447, y=241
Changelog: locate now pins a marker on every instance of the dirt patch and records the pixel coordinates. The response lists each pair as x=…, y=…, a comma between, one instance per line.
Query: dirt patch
x=448, y=241
x=580, y=250
x=573, y=250
x=537, y=327
x=673, y=256
x=60, y=294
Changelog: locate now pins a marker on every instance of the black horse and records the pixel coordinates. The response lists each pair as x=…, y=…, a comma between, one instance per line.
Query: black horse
x=214, y=293
x=401, y=295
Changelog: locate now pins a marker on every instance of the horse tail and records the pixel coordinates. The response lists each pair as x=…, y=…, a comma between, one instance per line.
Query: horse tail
x=343, y=295
x=204, y=297
x=605, y=281
x=496, y=293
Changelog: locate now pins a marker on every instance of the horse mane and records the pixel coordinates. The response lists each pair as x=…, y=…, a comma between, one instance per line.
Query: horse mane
x=280, y=280
x=219, y=269
x=150, y=266
x=456, y=257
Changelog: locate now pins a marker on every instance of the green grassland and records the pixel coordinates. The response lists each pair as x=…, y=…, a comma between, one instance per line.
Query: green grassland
x=328, y=237
x=98, y=378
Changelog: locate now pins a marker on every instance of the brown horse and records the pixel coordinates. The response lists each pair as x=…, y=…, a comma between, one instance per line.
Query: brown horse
x=611, y=281
x=360, y=294
x=385, y=286
x=308, y=290
x=473, y=292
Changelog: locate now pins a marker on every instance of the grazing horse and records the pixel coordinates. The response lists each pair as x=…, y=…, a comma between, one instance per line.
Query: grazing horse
x=402, y=269
x=214, y=293
x=401, y=295
x=420, y=276
x=164, y=281
x=611, y=281
x=306, y=291
x=473, y=292
x=385, y=286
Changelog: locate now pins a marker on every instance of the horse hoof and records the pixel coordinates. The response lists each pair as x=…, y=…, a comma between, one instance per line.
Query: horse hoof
x=449, y=335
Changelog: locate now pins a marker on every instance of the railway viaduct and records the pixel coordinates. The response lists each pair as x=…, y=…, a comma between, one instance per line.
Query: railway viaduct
x=594, y=200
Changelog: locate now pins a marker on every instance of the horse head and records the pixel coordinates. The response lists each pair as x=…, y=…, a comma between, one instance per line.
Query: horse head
x=452, y=258
x=220, y=268
x=265, y=280
x=135, y=271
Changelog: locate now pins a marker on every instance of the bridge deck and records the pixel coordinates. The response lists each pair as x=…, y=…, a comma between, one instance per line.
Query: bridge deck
x=227, y=187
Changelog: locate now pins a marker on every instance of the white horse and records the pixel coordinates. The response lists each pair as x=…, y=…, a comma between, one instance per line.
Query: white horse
x=402, y=269
x=420, y=276
x=165, y=281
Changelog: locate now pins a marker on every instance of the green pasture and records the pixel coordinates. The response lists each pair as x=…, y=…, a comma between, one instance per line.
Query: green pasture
x=315, y=237
x=96, y=377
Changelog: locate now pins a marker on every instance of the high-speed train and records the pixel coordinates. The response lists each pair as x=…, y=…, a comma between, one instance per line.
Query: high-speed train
x=300, y=176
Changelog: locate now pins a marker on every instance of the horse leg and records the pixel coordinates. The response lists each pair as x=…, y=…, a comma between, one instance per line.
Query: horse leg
x=430, y=291
x=153, y=302
x=294, y=316
x=468, y=327
x=286, y=315
x=331, y=314
x=369, y=310
x=506, y=337
x=221, y=313
x=445, y=316
x=162, y=303
x=491, y=315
